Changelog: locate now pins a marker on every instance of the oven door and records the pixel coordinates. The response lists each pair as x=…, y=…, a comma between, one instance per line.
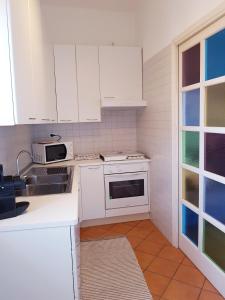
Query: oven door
x=125, y=190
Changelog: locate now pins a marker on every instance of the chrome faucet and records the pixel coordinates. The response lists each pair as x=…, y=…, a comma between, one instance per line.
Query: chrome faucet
x=17, y=159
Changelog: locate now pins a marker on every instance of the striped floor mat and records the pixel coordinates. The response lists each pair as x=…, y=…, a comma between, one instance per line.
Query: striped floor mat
x=110, y=271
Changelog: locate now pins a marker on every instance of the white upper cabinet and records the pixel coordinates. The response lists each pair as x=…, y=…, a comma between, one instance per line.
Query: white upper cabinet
x=88, y=84
x=42, y=66
x=25, y=109
x=27, y=65
x=77, y=83
x=66, y=83
x=6, y=96
x=120, y=76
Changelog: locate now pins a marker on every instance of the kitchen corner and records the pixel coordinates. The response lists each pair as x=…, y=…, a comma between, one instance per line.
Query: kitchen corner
x=55, y=210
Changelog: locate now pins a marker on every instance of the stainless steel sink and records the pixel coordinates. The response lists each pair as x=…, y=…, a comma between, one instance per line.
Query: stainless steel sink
x=47, y=180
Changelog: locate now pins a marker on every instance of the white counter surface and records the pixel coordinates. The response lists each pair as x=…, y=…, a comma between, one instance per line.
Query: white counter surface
x=53, y=210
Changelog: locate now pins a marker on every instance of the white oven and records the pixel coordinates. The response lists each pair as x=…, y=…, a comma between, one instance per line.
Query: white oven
x=126, y=185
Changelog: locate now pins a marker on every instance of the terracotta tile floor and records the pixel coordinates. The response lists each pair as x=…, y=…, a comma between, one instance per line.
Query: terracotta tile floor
x=169, y=274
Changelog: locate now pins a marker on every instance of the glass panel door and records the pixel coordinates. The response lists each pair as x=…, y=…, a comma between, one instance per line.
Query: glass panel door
x=202, y=152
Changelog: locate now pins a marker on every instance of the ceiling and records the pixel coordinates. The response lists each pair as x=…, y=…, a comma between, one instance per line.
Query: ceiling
x=113, y=5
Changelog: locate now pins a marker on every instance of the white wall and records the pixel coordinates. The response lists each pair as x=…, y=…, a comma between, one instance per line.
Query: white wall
x=162, y=21
x=69, y=24
x=13, y=139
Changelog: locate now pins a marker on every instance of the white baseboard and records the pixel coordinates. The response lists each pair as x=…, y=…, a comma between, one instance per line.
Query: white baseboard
x=112, y=220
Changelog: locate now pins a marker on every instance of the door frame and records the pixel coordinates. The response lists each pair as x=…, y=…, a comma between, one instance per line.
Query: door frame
x=204, y=22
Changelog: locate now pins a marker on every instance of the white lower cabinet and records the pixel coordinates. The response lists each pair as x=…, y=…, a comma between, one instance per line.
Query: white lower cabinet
x=92, y=192
x=39, y=264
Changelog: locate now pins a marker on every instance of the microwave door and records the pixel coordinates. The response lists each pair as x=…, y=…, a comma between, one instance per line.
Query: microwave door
x=125, y=190
x=56, y=152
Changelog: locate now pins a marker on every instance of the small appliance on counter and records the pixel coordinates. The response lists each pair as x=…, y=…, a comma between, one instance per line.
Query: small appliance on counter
x=51, y=152
x=8, y=186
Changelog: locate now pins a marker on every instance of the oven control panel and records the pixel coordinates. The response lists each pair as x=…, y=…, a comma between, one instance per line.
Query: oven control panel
x=126, y=168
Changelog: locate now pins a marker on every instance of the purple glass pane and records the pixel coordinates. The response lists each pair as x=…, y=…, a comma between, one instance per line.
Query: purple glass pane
x=191, y=66
x=215, y=153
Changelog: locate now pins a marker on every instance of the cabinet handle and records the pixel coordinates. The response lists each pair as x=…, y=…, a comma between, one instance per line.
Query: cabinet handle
x=109, y=97
x=32, y=118
x=65, y=120
x=45, y=119
x=91, y=119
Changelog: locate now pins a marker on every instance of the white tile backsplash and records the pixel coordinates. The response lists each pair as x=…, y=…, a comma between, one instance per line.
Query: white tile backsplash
x=116, y=132
x=12, y=140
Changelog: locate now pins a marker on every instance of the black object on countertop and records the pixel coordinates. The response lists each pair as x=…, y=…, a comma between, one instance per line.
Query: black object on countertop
x=8, y=186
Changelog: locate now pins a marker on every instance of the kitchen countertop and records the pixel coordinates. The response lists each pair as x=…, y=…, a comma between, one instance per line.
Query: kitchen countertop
x=56, y=210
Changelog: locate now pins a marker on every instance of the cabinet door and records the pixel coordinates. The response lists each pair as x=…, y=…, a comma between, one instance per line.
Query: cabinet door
x=66, y=83
x=120, y=73
x=36, y=264
x=88, y=84
x=6, y=97
x=92, y=192
x=42, y=65
x=25, y=108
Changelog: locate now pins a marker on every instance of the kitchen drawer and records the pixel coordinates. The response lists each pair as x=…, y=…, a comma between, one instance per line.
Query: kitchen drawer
x=126, y=168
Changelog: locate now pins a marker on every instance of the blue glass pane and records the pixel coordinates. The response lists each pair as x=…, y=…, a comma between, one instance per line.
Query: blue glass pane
x=214, y=196
x=215, y=58
x=191, y=108
x=190, y=224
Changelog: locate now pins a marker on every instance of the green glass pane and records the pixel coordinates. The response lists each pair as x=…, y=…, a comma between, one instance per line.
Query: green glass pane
x=214, y=244
x=191, y=187
x=191, y=148
x=215, y=105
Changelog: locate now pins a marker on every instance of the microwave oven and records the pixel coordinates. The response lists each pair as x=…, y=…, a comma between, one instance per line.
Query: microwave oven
x=52, y=152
